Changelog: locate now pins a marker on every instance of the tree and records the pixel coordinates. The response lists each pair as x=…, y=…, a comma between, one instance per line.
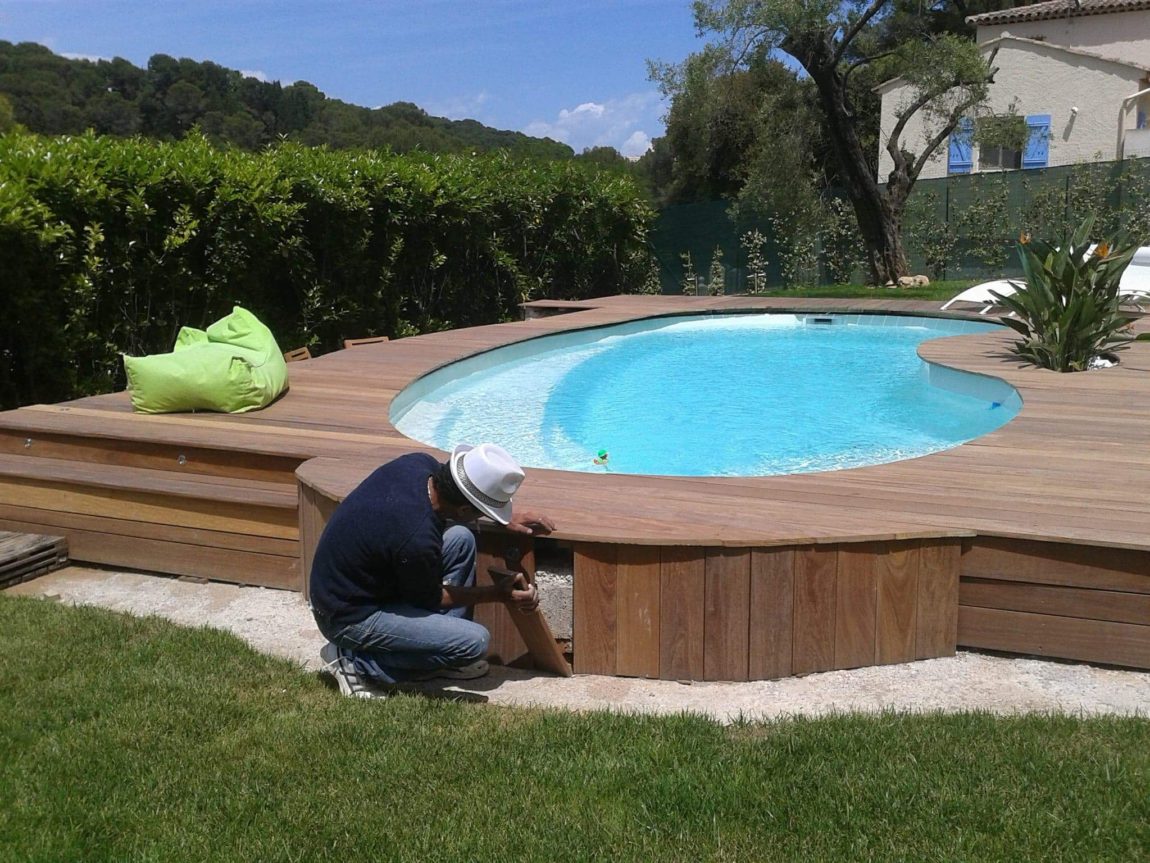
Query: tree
x=836, y=43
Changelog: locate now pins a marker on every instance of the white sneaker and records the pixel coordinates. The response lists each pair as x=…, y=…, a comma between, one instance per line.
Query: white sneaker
x=339, y=664
x=478, y=668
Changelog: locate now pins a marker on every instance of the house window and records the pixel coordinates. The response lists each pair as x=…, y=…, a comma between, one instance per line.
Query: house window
x=1035, y=154
x=959, y=158
x=991, y=158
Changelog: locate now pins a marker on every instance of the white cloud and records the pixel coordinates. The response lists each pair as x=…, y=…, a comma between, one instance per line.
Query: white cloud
x=91, y=58
x=635, y=146
x=627, y=124
x=258, y=74
x=462, y=108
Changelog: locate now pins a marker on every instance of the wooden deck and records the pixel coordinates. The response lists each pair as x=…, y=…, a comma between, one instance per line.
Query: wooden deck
x=1058, y=498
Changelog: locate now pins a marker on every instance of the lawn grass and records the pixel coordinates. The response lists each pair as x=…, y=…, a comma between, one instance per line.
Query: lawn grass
x=127, y=739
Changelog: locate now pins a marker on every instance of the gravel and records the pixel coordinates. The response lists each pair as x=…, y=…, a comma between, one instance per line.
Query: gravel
x=278, y=622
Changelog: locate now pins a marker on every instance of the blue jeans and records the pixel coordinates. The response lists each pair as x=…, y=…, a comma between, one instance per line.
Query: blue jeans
x=398, y=641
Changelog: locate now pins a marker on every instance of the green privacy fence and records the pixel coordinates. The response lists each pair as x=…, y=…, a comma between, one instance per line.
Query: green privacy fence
x=959, y=227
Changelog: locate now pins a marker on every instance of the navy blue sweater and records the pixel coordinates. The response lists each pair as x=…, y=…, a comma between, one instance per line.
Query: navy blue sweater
x=383, y=545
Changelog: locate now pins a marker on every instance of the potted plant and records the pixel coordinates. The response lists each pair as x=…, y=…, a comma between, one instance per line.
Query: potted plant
x=1068, y=311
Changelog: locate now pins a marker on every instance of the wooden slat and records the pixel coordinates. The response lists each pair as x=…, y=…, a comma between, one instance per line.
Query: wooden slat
x=594, y=630
x=771, y=613
x=53, y=522
x=814, y=629
x=142, y=506
x=223, y=564
x=682, y=596
x=937, y=614
x=540, y=649
x=726, y=622
x=507, y=645
x=637, y=612
x=1064, y=601
x=1052, y=635
x=897, y=572
x=856, y=605
x=1057, y=564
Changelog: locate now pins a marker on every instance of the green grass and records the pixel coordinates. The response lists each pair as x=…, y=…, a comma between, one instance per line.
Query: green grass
x=126, y=739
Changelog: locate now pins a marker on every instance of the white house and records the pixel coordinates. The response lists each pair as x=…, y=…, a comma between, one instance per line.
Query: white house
x=1077, y=70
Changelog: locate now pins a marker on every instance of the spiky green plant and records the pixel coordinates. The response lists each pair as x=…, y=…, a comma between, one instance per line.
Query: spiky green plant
x=1068, y=311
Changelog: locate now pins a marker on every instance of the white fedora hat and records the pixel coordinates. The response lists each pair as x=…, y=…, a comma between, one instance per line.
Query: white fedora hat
x=488, y=477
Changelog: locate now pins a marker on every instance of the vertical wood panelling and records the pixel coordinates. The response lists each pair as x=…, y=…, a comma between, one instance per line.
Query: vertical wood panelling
x=726, y=622
x=897, y=602
x=856, y=604
x=682, y=595
x=772, y=613
x=937, y=630
x=593, y=636
x=637, y=611
x=814, y=637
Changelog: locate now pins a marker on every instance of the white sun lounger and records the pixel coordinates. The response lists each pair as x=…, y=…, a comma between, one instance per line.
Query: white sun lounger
x=982, y=295
x=1134, y=287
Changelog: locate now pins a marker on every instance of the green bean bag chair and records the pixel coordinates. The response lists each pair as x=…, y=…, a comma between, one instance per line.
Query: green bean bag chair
x=233, y=366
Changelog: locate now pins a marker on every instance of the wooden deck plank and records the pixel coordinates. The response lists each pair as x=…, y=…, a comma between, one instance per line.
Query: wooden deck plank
x=816, y=576
x=897, y=573
x=1051, y=635
x=682, y=597
x=771, y=613
x=726, y=622
x=637, y=615
x=856, y=605
x=936, y=615
x=594, y=633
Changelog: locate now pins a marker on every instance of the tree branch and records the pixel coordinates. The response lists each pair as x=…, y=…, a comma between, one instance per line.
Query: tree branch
x=870, y=12
x=862, y=61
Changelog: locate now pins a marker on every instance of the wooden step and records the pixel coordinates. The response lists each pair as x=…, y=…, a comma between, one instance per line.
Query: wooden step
x=231, y=529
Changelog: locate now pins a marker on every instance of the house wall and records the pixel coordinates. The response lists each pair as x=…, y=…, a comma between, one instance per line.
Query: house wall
x=1039, y=80
x=1121, y=35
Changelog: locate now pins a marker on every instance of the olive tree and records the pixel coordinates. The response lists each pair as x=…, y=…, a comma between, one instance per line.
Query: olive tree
x=838, y=44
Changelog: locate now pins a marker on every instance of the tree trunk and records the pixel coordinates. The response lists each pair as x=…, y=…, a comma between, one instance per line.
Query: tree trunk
x=878, y=210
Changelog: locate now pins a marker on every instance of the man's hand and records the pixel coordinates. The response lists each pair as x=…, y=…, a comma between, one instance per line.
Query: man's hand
x=521, y=594
x=531, y=523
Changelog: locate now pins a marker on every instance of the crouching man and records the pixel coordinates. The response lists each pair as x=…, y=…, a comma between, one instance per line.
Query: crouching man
x=393, y=579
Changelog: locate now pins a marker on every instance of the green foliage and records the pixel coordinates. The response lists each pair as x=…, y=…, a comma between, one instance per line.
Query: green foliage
x=1068, y=312
x=754, y=245
x=53, y=95
x=716, y=274
x=109, y=245
x=690, y=281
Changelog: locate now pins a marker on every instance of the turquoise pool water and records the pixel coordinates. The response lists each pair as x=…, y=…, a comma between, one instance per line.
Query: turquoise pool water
x=726, y=395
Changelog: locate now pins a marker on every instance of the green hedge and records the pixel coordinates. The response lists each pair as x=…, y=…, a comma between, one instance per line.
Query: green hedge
x=108, y=246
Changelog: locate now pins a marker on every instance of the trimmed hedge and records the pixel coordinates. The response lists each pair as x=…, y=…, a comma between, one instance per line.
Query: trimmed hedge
x=109, y=246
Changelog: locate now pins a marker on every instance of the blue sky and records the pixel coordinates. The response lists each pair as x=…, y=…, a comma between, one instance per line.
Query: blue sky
x=573, y=70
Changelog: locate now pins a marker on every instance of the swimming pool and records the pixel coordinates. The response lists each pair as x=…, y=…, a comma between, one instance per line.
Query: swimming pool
x=714, y=395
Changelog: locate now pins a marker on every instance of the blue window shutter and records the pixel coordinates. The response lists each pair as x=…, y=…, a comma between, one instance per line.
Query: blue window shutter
x=960, y=159
x=1037, y=149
